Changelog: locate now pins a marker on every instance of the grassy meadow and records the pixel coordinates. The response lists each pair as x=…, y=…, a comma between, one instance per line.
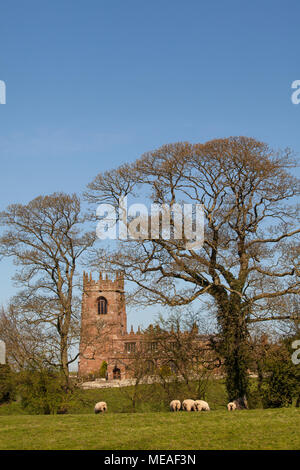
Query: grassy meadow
x=220, y=430
x=151, y=427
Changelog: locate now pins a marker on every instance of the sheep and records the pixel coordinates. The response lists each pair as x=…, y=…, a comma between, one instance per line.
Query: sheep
x=188, y=405
x=231, y=406
x=241, y=403
x=175, y=405
x=201, y=405
x=100, y=407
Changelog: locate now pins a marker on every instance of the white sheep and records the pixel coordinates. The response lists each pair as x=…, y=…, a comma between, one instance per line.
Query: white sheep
x=100, y=407
x=175, y=405
x=188, y=405
x=231, y=406
x=201, y=405
x=241, y=403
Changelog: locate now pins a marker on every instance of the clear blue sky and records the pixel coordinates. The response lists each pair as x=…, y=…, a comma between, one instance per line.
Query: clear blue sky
x=94, y=83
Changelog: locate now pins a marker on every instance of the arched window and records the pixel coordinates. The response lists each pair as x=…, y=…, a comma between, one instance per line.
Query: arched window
x=173, y=367
x=102, y=305
x=116, y=373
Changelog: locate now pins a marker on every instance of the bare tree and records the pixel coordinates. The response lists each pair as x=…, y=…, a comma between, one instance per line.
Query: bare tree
x=174, y=358
x=182, y=350
x=46, y=238
x=289, y=307
x=138, y=369
x=250, y=255
x=26, y=344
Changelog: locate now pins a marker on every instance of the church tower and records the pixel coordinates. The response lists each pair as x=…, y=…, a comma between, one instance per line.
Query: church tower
x=103, y=320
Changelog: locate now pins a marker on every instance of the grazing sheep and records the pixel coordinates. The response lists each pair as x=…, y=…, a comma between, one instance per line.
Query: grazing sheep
x=231, y=406
x=201, y=405
x=175, y=405
x=100, y=407
x=188, y=405
x=241, y=403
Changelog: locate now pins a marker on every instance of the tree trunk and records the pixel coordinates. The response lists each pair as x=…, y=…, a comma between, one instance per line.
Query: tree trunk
x=234, y=349
x=63, y=329
x=260, y=378
x=64, y=361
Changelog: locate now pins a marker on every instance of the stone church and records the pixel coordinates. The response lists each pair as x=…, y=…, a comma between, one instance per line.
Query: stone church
x=104, y=335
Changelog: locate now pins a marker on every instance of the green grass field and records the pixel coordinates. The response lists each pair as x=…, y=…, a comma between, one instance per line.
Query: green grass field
x=249, y=429
x=153, y=427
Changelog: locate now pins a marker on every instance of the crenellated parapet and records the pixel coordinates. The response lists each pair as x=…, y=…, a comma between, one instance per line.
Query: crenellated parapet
x=132, y=335
x=104, y=282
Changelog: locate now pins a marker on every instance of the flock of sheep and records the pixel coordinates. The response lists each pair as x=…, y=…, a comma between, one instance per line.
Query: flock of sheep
x=189, y=405
x=197, y=405
x=175, y=405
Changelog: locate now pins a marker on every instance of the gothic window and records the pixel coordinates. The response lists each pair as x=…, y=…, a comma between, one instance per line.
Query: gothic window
x=153, y=346
x=130, y=347
x=150, y=346
x=150, y=367
x=102, y=305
